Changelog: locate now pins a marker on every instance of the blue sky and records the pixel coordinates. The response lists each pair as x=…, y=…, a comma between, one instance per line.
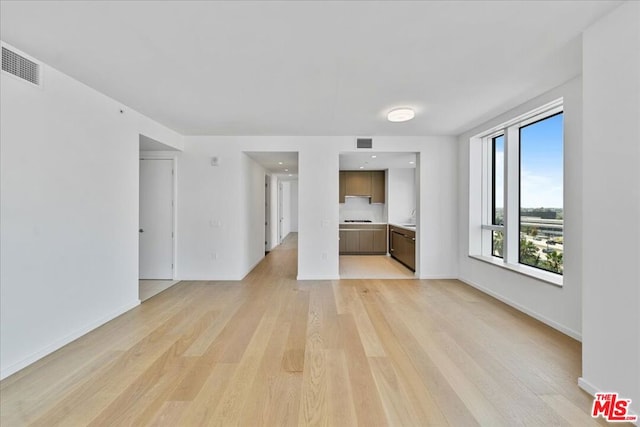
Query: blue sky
x=541, y=159
x=541, y=169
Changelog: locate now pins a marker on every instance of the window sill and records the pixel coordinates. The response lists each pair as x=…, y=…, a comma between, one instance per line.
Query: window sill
x=543, y=276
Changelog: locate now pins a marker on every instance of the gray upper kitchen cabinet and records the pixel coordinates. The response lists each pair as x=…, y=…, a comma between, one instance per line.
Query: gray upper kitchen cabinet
x=370, y=184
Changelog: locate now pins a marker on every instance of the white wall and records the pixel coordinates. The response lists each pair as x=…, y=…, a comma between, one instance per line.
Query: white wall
x=209, y=201
x=611, y=205
x=559, y=307
x=401, y=196
x=362, y=208
x=294, y=207
x=68, y=213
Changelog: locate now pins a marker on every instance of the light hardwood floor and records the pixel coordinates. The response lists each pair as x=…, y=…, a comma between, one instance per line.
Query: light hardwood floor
x=150, y=288
x=372, y=267
x=273, y=351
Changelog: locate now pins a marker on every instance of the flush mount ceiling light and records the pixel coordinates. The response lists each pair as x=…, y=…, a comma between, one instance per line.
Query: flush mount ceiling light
x=401, y=114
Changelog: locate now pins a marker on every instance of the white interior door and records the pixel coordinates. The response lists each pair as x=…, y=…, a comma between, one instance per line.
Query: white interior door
x=156, y=219
x=280, y=213
x=267, y=208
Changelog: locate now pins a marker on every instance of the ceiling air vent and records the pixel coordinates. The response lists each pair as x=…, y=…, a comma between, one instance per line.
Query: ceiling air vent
x=364, y=143
x=20, y=66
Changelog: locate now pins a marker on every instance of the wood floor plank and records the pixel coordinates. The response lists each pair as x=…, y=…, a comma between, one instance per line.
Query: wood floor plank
x=293, y=360
x=95, y=393
x=169, y=414
x=366, y=400
x=313, y=402
x=265, y=399
x=421, y=389
x=270, y=350
x=341, y=410
x=354, y=306
x=228, y=411
x=202, y=409
x=392, y=394
x=147, y=393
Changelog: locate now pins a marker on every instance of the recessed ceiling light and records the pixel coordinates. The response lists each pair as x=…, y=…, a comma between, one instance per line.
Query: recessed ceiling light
x=400, y=114
x=374, y=156
x=290, y=175
x=286, y=170
x=361, y=167
x=279, y=163
x=412, y=162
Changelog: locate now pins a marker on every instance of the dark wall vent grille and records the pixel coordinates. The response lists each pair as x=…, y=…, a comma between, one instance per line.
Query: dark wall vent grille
x=20, y=66
x=364, y=143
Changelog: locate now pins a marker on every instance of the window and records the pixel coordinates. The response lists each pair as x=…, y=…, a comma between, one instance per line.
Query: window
x=541, y=206
x=497, y=194
x=516, y=194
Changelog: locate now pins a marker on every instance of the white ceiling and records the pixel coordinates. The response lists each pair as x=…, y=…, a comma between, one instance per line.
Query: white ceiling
x=150, y=144
x=286, y=163
x=278, y=162
x=354, y=161
x=308, y=68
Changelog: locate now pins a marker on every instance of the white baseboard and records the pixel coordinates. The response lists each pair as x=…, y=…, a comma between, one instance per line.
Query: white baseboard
x=438, y=277
x=250, y=269
x=552, y=323
x=592, y=390
x=587, y=386
x=318, y=277
x=222, y=278
x=12, y=369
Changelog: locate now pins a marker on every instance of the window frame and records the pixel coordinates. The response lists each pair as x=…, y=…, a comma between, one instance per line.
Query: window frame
x=539, y=119
x=482, y=207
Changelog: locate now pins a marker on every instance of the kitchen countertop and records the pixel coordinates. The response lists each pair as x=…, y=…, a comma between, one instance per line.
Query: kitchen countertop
x=363, y=223
x=409, y=227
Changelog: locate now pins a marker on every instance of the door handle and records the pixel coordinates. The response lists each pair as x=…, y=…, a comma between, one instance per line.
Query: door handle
x=141, y=231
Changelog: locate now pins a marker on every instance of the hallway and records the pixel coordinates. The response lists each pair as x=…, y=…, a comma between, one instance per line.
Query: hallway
x=270, y=350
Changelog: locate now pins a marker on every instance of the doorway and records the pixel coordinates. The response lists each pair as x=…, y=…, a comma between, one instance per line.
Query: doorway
x=378, y=202
x=156, y=210
x=280, y=195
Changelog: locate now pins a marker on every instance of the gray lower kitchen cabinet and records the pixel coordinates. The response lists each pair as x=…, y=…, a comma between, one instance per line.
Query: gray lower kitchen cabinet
x=402, y=246
x=352, y=242
x=363, y=239
x=343, y=241
x=380, y=241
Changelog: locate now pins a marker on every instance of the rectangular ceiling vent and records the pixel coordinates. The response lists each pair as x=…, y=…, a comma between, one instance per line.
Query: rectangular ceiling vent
x=20, y=66
x=364, y=143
